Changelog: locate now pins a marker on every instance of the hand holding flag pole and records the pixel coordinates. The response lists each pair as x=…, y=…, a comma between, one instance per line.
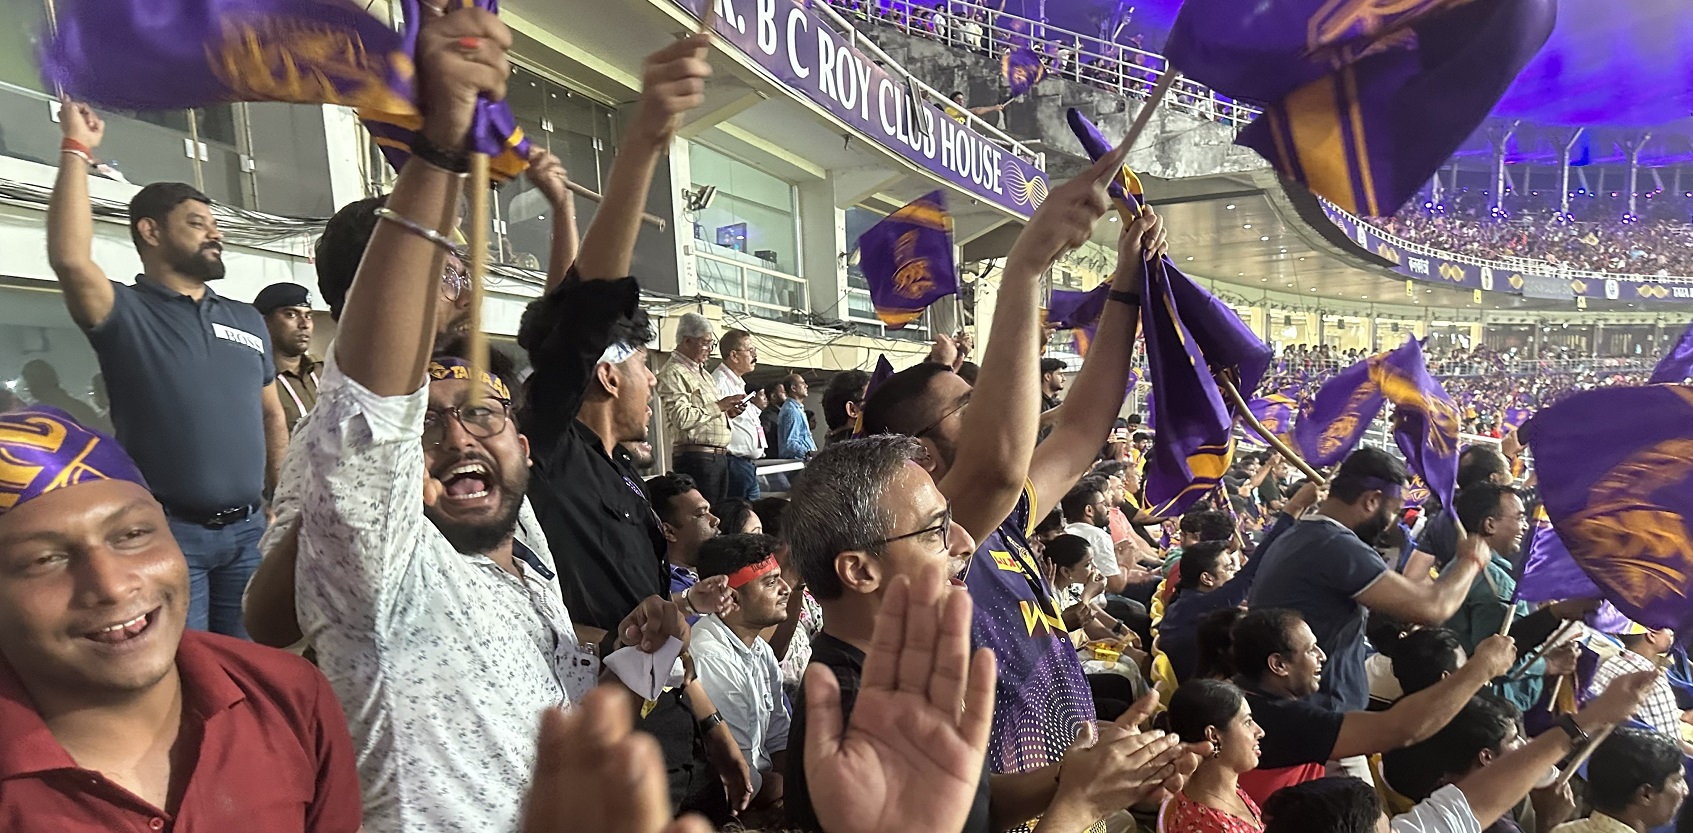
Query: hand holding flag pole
x=1592, y=746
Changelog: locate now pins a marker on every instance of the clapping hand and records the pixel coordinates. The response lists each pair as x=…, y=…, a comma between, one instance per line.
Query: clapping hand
x=911, y=756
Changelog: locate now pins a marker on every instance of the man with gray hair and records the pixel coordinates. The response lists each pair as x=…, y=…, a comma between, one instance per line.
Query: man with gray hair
x=696, y=419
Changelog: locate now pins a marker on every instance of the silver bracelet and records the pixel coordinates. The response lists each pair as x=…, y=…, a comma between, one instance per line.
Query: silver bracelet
x=425, y=232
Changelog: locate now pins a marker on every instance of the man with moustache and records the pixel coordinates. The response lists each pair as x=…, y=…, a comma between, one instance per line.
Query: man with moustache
x=287, y=310
x=1327, y=569
x=190, y=376
x=112, y=715
x=423, y=581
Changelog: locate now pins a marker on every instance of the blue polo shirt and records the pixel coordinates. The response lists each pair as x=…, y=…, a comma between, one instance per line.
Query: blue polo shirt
x=185, y=378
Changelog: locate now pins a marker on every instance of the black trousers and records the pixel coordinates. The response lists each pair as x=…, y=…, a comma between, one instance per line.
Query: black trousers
x=710, y=471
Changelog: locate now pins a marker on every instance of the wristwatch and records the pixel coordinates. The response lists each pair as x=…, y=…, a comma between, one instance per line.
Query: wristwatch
x=710, y=722
x=1578, y=735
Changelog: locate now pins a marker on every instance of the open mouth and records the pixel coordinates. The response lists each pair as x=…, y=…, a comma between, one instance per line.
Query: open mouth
x=467, y=482
x=119, y=633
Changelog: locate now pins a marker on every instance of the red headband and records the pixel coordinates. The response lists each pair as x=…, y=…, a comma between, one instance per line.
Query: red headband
x=752, y=572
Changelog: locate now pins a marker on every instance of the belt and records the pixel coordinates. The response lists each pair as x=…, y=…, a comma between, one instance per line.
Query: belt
x=215, y=520
x=682, y=448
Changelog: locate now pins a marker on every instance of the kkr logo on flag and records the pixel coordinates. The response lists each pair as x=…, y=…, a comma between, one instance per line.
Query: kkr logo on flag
x=908, y=260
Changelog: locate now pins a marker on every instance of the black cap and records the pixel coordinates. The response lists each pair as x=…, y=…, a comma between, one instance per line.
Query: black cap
x=279, y=295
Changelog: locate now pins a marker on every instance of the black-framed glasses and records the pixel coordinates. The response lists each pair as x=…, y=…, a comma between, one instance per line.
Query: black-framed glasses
x=944, y=528
x=480, y=420
x=454, y=281
x=943, y=417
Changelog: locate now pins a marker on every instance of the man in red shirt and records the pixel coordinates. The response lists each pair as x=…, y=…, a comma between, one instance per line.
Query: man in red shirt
x=112, y=716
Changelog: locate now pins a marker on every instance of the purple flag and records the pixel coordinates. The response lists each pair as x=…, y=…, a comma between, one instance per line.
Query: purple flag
x=1549, y=572
x=179, y=54
x=1616, y=479
x=1515, y=416
x=907, y=260
x=1333, y=421
x=1022, y=69
x=1365, y=103
x=1677, y=364
x=1096, y=145
x=1078, y=312
x=1275, y=412
x=1425, y=422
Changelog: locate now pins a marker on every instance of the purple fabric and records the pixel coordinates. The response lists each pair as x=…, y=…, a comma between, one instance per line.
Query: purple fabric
x=1425, y=422
x=908, y=260
x=1274, y=411
x=1333, y=421
x=1616, y=479
x=1022, y=70
x=1364, y=104
x=1677, y=364
x=44, y=449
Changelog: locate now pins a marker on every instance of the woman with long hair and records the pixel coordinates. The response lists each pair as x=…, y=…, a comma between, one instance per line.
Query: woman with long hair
x=1212, y=801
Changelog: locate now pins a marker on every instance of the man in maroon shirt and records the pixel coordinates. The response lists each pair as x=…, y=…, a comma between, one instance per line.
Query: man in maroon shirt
x=112, y=717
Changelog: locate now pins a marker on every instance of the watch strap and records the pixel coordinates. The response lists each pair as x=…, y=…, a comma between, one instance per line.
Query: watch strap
x=1123, y=297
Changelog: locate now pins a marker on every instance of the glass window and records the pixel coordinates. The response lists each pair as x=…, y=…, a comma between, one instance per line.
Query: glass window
x=573, y=127
x=24, y=20
x=752, y=214
x=43, y=356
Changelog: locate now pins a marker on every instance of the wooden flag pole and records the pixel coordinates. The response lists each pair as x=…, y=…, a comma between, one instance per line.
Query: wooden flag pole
x=1258, y=428
x=1593, y=744
x=479, y=195
x=1144, y=118
x=1541, y=650
x=591, y=195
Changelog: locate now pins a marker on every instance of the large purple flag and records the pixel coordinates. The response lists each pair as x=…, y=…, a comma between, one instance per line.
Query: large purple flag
x=1425, y=422
x=1022, y=69
x=1676, y=365
x=1616, y=478
x=1366, y=100
x=1275, y=412
x=908, y=260
x=1079, y=313
x=1549, y=572
x=178, y=54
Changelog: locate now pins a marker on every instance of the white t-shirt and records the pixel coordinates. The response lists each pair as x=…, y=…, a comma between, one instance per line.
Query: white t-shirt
x=1447, y=811
x=1099, y=540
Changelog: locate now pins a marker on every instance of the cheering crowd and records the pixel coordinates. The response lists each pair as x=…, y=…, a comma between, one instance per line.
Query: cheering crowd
x=480, y=617
x=1536, y=228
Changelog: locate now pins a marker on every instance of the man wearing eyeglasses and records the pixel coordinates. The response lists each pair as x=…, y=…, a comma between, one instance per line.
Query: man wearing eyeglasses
x=696, y=413
x=980, y=448
x=746, y=430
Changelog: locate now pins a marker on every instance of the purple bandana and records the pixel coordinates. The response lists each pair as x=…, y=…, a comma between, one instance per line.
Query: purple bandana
x=43, y=449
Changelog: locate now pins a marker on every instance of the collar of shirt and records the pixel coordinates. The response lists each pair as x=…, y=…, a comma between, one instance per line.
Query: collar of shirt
x=147, y=284
x=308, y=366
x=688, y=363
x=1596, y=823
x=719, y=631
x=27, y=746
x=733, y=377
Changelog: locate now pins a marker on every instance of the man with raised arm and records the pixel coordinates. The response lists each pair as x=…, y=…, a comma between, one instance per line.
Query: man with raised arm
x=423, y=581
x=188, y=371
x=980, y=449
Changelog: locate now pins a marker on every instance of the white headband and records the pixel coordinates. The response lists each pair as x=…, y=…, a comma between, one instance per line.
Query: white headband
x=616, y=353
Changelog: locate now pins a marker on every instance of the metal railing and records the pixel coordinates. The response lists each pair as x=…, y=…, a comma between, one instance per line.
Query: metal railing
x=755, y=290
x=923, y=90
x=1512, y=264
x=1109, y=65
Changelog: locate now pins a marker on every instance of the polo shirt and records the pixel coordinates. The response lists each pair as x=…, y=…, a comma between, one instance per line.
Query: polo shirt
x=848, y=664
x=1318, y=568
x=1042, y=697
x=184, y=378
x=746, y=687
x=1299, y=737
x=263, y=742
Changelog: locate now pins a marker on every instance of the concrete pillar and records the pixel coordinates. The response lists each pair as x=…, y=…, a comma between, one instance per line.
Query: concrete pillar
x=346, y=143
x=1564, y=168
x=1539, y=331
x=1634, y=147
x=822, y=231
x=1598, y=337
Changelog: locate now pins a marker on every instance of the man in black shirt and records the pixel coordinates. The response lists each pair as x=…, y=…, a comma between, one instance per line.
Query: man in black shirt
x=589, y=392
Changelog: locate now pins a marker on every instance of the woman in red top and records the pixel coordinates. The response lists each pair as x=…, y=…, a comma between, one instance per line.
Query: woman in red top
x=1212, y=801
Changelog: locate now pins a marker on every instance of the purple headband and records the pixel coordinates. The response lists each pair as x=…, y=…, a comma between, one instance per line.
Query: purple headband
x=43, y=449
x=447, y=367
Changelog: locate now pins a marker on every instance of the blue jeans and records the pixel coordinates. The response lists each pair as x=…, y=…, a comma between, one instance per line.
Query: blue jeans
x=742, y=478
x=220, y=561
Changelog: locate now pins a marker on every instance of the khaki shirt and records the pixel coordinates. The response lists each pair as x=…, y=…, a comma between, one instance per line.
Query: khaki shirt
x=688, y=396
x=298, y=391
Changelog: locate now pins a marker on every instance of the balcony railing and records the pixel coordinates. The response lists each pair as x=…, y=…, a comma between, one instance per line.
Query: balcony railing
x=751, y=289
x=1073, y=56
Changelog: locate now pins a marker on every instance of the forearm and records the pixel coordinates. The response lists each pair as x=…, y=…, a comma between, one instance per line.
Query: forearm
x=1418, y=716
x=70, y=220
x=276, y=438
x=1014, y=799
x=566, y=242
x=1450, y=590
x=388, y=327
x=608, y=248
x=1493, y=790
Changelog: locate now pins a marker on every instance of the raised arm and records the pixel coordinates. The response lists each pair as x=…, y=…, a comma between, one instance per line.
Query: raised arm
x=1097, y=395
x=70, y=220
x=1418, y=716
x=1494, y=789
x=673, y=84
x=549, y=177
x=997, y=437
x=1421, y=600
x=387, y=330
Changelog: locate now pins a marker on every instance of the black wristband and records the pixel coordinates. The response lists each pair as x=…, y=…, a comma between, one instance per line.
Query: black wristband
x=451, y=161
x=1578, y=735
x=710, y=722
x=1121, y=297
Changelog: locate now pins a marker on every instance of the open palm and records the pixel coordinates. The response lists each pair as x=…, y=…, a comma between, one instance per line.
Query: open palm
x=911, y=756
